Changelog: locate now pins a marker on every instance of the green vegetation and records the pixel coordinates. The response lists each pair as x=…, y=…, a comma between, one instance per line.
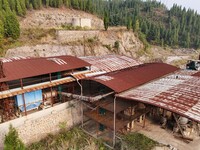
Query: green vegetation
x=12, y=141
x=138, y=141
x=73, y=139
x=153, y=22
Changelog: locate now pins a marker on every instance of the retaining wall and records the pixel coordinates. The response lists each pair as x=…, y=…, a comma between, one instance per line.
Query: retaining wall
x=35, y=126
x=64, y=36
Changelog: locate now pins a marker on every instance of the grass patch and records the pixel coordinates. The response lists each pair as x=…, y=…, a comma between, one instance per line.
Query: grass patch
x=73, y=139
x=71, y=27
x=7, y=44
x=37, y=33
x=179, y=63
x=28, y=36
x=138, y=141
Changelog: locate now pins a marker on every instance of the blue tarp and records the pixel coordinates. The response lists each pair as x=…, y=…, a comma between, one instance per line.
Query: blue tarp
x=32, y=100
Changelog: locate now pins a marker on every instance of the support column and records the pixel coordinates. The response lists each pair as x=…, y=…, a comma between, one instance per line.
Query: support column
x=51, y=97
x=114, y=123
x=144, y=120
x=23, y=97
x=50, y=79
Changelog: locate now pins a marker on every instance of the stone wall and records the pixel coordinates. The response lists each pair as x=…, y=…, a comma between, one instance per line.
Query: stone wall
x=33, y=127
x=64, y=36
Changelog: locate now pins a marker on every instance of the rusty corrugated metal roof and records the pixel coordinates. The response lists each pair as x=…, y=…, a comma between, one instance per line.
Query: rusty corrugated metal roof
x=122, y=80
x=109, y=63
x=18, y=68
x=176, y=93
x=197, y=74
x=17, y=91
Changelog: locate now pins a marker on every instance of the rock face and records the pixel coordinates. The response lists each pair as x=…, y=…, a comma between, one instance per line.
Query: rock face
x=83, y=43
x=54, y=18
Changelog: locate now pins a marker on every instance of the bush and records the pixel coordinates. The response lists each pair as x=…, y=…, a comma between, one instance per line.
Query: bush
x=138, y=141
x=12, y=141
x=116, y=44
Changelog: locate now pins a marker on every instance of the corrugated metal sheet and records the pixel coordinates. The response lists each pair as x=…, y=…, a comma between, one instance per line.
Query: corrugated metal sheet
x=120, y=81
x=197, y=74
x=109, y=63
x=17, y=68
x=176, y=93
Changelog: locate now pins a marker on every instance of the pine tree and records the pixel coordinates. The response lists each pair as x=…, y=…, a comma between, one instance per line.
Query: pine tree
x=39, y=2
x=129, y=23
x=106, y=21
x=1, y=5
x=47, y=3
x=12, y=4
x=18, y=8
x=11, y=26
x=12, y=141
x=136, y=26
x=6, y=6
x=60, y=3
x=23, y=6
x=35, y=4
x=1, y=30
x=27, y=4
x=188, y=40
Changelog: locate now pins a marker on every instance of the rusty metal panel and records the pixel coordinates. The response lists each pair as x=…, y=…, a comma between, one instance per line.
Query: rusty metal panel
x=17, y=68
x=176, y=93
x=197, y=74
x=122, y=80
x=109, y=63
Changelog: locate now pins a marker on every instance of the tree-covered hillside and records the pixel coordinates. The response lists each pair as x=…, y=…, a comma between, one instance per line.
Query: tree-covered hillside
x=152, y=21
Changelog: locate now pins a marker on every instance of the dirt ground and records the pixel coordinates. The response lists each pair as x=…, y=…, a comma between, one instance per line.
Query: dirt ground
x=166, y=137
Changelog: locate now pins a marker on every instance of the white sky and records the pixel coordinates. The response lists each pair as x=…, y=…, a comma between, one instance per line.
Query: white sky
x=193, y=4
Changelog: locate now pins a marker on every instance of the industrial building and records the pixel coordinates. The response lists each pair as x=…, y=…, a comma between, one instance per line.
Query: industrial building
x=116, y=92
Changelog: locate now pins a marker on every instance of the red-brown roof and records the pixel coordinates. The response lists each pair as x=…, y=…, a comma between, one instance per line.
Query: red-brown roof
x=18, y=67
x=120, y=81
x=176, y=93
x=197, y=74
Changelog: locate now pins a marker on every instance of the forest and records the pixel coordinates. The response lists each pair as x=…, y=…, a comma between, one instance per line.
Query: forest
x=150, y=20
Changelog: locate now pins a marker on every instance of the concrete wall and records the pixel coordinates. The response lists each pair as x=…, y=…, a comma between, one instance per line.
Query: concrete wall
x=36, y=126
x=82, y=22
x=86, y=23
x=64, y=36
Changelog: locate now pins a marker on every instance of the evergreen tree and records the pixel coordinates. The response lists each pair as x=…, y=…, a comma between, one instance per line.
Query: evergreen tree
x=12, y=141
x=60, y=3
x=106, y=21
x=11, y=26
x=35, y=4
x=6, y=6
x=136, y=26
x=1, y=5
x=188, y=40
x=12, y=4
x=23, y=6
x=18, y=8
x=1, y=30
x=129, y=23
x=27, y=4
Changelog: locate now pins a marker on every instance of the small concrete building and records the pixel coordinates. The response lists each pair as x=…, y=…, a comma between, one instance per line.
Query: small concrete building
x=81, y=22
